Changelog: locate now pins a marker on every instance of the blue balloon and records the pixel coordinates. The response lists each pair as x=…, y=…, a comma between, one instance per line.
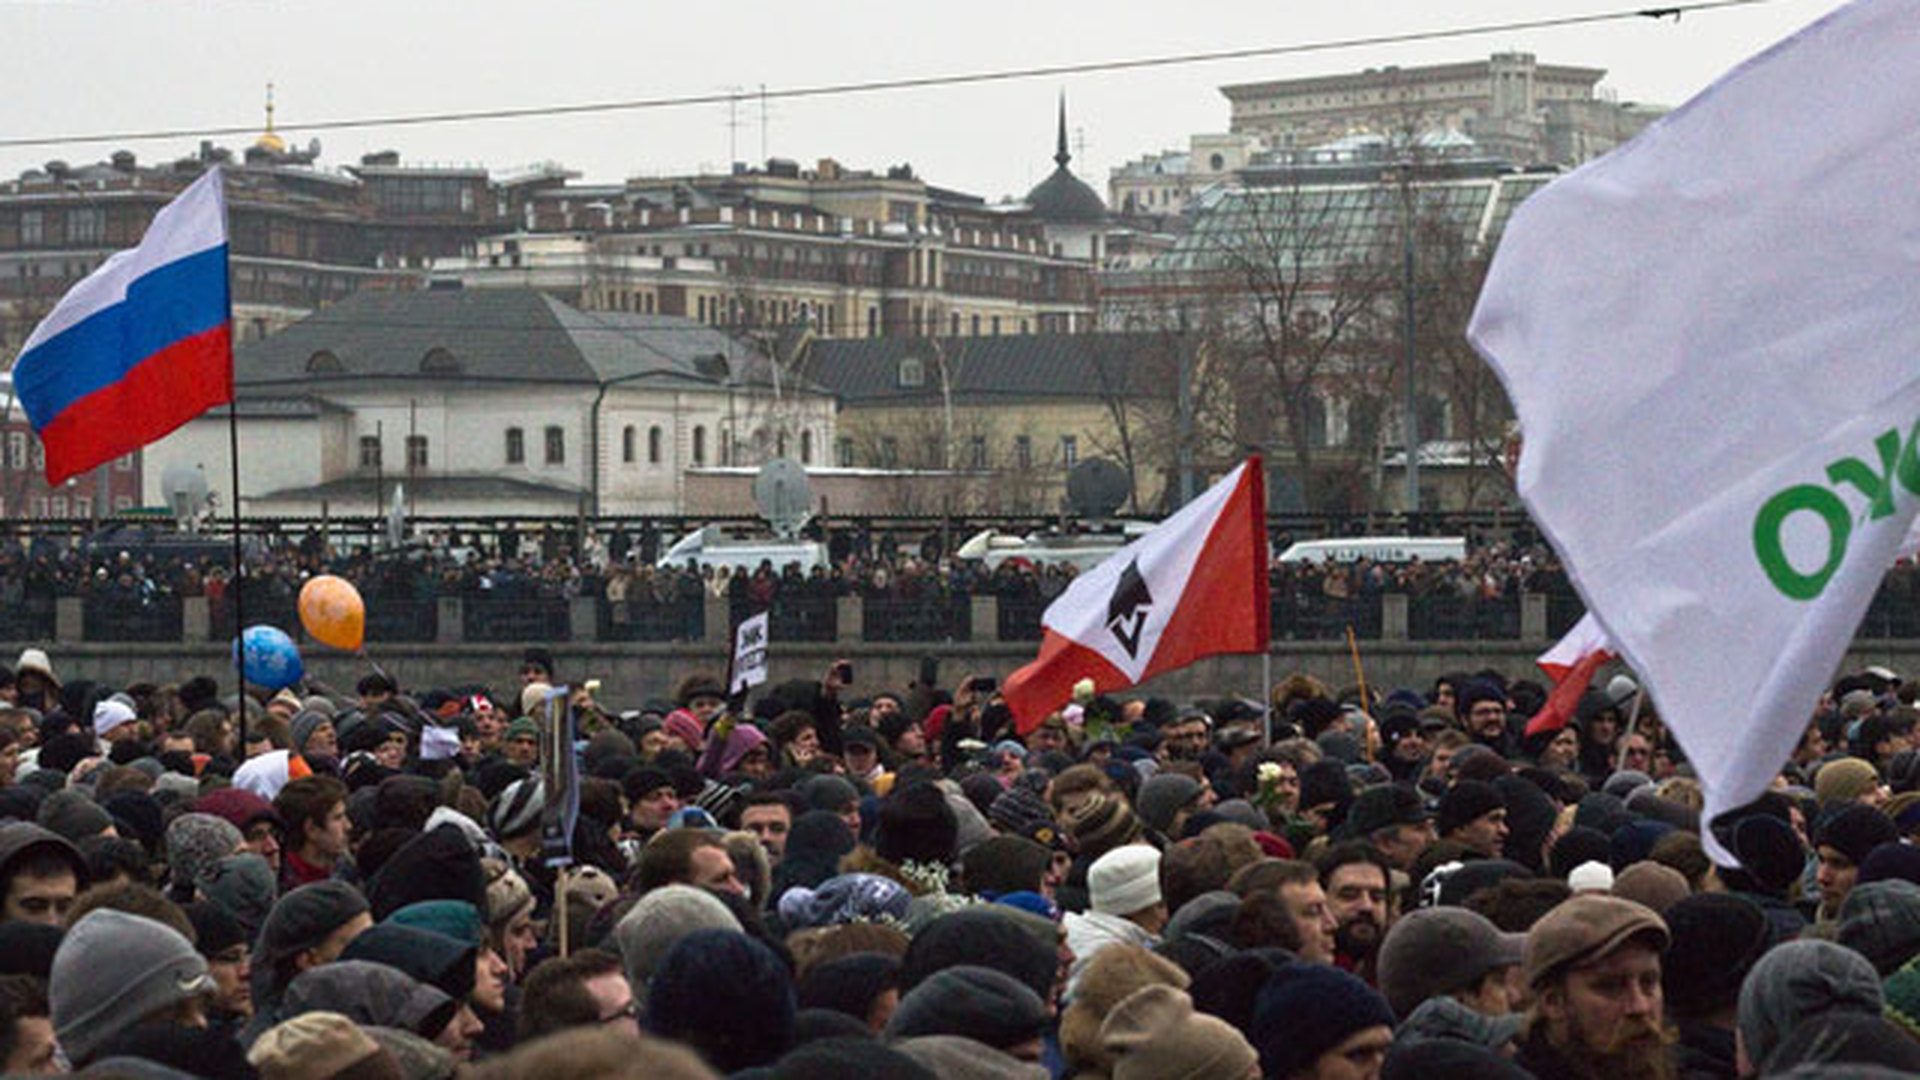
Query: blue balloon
x=271, y=660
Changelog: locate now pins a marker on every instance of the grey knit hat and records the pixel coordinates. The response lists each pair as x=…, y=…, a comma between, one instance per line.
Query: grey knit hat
x=73, y=815
x=1162, y=798
x=113, y=970
x=244, y=886
x=195, y=842
x=659, y=920
x=1799, y=980
x=1881, y=921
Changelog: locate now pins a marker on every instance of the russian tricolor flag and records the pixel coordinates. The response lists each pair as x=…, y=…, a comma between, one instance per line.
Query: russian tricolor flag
x=141, y=346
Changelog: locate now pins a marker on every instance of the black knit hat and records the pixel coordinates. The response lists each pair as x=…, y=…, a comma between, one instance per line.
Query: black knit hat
x=537, y=657
x=1854, y=831
x=213, y=929
x=1716, y=938
x=917, y=825
x=1473, y=694
x=1465, y=802
x=1306, y=1010
x=1325, y=782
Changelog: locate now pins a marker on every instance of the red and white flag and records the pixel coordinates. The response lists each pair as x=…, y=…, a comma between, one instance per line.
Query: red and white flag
x=1571, y=664
x=1195, y=586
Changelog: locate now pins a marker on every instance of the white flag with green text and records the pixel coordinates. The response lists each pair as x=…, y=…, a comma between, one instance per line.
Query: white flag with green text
x=1711, y=338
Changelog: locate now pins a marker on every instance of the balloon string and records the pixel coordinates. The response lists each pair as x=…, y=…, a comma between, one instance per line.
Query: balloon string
x=375, y=664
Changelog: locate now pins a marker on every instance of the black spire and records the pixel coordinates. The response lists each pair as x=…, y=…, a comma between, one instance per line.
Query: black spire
x=1060, y=155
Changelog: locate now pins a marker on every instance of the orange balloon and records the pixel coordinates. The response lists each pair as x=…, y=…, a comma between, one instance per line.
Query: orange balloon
x=332, y=611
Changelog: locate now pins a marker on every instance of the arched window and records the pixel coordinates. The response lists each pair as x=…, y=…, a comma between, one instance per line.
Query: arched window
x=516, y=446
x=806, y=448
x=653, y=445
x=439, y=361
x=628, y=444
x=556, y=446
x=699, y=446
x=324, y=363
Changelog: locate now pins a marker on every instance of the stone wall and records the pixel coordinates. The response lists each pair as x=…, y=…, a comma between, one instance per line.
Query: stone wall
x=632, y=673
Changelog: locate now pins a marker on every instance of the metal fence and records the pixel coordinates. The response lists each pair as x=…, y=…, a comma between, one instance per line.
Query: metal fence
x=516, y=619
x=648, y=619
x=28, y=620
x=1020, y=616
x=1306, y=616
x=796, y=615
x=935, y=616
x=1443, y=617
x=108, y=618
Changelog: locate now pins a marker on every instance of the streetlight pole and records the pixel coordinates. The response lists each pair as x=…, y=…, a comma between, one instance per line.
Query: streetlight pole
x=1408, y=329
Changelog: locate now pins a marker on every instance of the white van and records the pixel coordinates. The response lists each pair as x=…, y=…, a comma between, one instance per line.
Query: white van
x=1082, y=551
x=711, y=546
x=1380, y=549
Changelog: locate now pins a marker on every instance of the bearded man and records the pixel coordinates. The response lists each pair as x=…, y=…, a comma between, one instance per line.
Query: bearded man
x=1593, y=964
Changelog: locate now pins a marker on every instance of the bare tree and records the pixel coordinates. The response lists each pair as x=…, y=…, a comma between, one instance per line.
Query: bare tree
x=1300, y=261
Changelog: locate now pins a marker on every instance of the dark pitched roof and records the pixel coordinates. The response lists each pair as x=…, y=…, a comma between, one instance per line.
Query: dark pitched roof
x=865, y=371
x=476, y=335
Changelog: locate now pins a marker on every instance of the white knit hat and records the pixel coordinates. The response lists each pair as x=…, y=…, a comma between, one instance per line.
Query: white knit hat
x=1125, y=880
x=110, y=714
x=1591, y=876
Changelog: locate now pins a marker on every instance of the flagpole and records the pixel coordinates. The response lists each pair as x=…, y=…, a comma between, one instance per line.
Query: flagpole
x=1633, y=718
x=238, y=586
x=1266, y=692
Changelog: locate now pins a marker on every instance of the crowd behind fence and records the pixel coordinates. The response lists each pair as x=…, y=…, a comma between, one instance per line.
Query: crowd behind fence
x=907, y=595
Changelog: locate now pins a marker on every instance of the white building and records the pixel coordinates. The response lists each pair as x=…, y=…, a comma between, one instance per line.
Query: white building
x=493, y=402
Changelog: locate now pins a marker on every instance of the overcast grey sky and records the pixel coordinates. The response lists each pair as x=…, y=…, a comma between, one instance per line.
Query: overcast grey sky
x=86, y=66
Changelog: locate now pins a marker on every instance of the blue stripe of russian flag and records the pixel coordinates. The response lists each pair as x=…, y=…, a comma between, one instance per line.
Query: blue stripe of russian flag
x=170, y=304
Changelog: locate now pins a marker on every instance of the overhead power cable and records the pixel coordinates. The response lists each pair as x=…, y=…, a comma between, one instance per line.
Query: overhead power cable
x=923, y=82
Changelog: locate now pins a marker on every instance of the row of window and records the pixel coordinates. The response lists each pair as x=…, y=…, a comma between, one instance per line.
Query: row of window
x=556, y=447
x=22, y=449
x=974, y=455
x=59, y=506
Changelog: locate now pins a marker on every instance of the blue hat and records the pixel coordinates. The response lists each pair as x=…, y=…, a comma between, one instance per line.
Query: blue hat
x=1306, y=1010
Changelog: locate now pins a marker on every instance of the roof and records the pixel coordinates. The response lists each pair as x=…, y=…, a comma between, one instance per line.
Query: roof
x=1326, y=226
x=1063, y=198
x=497, y=335
x=1026, y=367
x=368, y=489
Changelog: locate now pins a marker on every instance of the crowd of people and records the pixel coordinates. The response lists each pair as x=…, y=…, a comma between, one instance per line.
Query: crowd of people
x=622, y=570
x=826, y=879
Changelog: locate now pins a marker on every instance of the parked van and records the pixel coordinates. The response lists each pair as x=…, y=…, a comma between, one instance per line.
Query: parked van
x=1082, y=551
x=711, y=546
x=1380, y=549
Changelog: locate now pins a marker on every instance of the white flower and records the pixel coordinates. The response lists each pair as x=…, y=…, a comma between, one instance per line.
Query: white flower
x=1269, y=772
x=1083, y=691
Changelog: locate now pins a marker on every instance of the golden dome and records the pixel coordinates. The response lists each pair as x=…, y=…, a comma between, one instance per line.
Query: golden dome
x=268, y=140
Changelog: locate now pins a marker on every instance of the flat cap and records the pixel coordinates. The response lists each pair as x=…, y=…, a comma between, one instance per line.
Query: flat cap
x=1586, y=929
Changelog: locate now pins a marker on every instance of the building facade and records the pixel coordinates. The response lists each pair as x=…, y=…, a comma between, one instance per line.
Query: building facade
x=1001, y=420
x=848, y=254
x=1516, y=108
x=494, y=403
x=301, y=236
x=24, y=492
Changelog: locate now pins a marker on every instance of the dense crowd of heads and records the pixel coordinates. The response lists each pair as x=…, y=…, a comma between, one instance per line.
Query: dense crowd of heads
x=826, y=878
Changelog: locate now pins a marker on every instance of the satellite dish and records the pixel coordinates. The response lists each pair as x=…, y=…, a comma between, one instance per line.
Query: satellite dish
x=185, y=488
x=1096, y=488
x=783, y=495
